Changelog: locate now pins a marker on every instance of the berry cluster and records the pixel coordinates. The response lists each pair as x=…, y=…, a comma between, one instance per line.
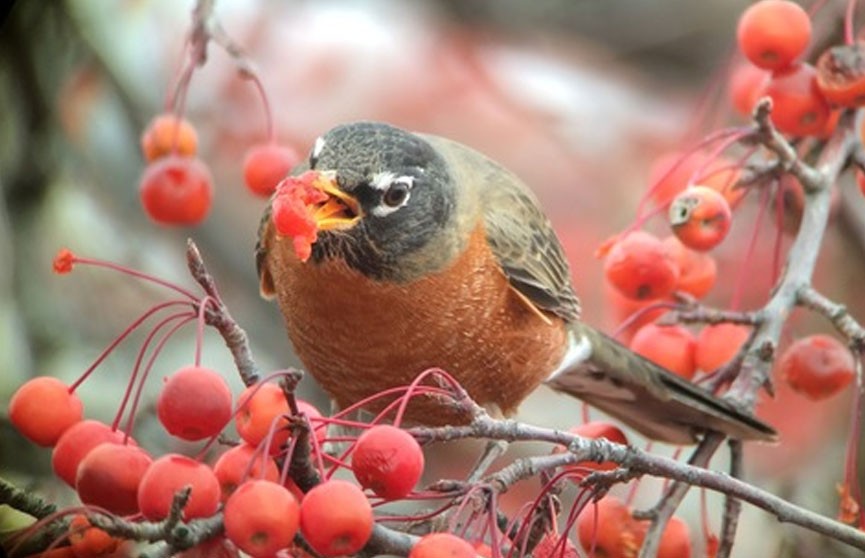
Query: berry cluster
x=700, y=187
x=176, y=187
x=263, y=508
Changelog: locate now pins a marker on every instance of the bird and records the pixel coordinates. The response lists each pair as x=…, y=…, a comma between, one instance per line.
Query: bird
x=432, y=255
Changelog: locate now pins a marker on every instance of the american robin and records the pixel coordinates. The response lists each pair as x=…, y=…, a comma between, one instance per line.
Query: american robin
x=432, y=255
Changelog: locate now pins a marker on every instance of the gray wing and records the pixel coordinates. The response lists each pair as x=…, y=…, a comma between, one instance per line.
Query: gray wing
x=519, y=233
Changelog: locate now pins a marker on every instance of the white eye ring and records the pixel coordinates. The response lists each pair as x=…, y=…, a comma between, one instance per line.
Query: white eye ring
x=396, y=193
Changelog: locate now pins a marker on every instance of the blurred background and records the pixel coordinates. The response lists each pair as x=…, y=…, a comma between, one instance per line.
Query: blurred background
x=577, y=97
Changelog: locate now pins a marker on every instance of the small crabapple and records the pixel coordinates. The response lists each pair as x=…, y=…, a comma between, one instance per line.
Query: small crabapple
x=669, y=346
x=773, y=33
x=798, y=107
x=442, y=545
x=388, y=461
x=43, y=408
x=194, y=403
x=176, y=190
x=817, y=366
x=700, y=217
x=265, y=165
x=336, y=518
x=261, y=518
x=640, y=267
x=166, y=135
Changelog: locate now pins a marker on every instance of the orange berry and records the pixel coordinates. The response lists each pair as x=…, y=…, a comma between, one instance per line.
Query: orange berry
x=697, y=270
x=87, y=541
x=841, y=75
x=817, y=366
x=77, y=442
x=257, y=408
x=261, y=518
x=166, y=476
x=718, y=344
x=675, y=540
x=109, y=476
x=194, y=403
x=442, y=545
x=640, y=267
x=176, y=190
x=609, y=528
x=336, y=518
x=43, y=408
x=772, y=34
x=265, y=165
x=669, y=346
x=166, y=135
x=746, y=86
x=236, y=466
x=388, y=461
x=700, y=217
x=798, y=107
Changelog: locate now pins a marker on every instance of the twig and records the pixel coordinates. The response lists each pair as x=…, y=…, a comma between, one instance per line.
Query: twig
x=218, y=316
x=670, y=501
x=24, y=501
x=802, y=256
x=836, y=313
x=732, y=506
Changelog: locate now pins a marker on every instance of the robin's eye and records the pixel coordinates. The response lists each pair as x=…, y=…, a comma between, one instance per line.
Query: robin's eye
x=396, y=195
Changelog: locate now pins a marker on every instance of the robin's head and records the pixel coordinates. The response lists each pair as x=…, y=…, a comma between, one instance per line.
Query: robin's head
x=398, y=194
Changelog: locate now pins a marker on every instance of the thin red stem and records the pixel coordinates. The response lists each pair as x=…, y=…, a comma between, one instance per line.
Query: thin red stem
x=135, y=273
x=849, y=16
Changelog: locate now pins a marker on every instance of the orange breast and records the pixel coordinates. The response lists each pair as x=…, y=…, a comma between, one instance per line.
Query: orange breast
x=358, y=337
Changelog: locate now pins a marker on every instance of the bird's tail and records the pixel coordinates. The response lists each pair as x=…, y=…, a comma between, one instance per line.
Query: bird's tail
x=650, y=399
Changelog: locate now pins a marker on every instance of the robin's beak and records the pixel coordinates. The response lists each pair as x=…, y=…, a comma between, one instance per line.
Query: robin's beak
x=339, y=210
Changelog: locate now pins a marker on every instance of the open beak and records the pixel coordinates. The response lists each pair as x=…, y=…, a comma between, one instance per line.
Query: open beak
x=339, y=210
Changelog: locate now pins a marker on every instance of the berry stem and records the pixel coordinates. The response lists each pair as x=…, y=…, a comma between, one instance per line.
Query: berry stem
x=744, y=269
x=135, y=273
x=117, y=340
x=182, y=319
x=199, y=327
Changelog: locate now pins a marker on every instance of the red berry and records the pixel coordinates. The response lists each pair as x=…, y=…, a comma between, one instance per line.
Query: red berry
x=388, y=461
x=109, y=476
x=261, y=517
x=772, y=34
x=176, y=190
x=77, y=442
x=43, y=409
x=700, y=217
x=166, y=476
x=240, y=464
x=257, y=408
x=611, y=530
x=292, y=214
x=595, y=430
x=798, y=107
x=166, y=135
x=669, y=346
x=640, y=267
x=87, y=541
x=265, y=165
x=194, y=403
x=697, y=270
x=442, y=545
x=841, y=75
x=718, y=344
x=675, y=540
x=336, y=518
x=747, y=86
x=817, y=366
